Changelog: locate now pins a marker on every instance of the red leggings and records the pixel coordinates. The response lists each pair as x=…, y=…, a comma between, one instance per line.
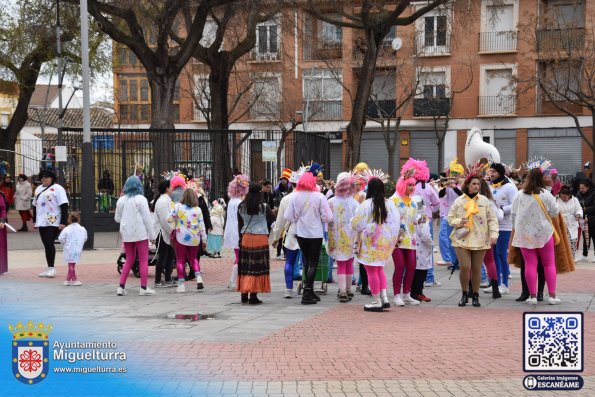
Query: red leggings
x=404, y=260
x=376, y=278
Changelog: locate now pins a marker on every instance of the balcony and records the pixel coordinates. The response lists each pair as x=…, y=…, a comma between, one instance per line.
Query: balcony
x=324, y=110
x=560, y=39
x=505, y=41
x=500, y=105
x=269, y=56
x=381, y=108
x=199, y=114
x=438, y=45
x=322, y=50
x=545, y=107
x=265, y=110
x=431, y=107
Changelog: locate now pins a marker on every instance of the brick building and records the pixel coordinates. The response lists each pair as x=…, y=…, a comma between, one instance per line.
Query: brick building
x=471, y=68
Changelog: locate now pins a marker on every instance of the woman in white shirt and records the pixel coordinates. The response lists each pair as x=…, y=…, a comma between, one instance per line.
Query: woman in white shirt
x=532, y=211
x=161, y=207
x=136, y=229
x=572, y=211
x=309, y=209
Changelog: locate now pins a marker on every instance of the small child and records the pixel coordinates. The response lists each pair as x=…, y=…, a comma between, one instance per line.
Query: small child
x=216, y=236
x=424, y=252
x=572, y=212
x=73, y=238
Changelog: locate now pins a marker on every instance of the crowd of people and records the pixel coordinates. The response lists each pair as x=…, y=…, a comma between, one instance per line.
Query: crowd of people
x=489, y=219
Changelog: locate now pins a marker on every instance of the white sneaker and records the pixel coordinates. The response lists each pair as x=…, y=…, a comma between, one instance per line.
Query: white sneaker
x=199, y=284
x=409, y=300
x=375, y=306
x=503, y=289
x=433, y=284
x=531, y=301
x=288, y=293
x=146, y=292
x=121, y=291
x=553, y=301
x=593, y=260
x=51, y=272
x=67, y=283
x=488, y=290
x=44, y=274
x=76, y=283
x=398, y=301
x=580, y=258
x=181, y=288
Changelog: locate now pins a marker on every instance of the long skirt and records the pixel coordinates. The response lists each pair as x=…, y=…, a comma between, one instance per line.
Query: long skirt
x=214, y=243
x=253, y=266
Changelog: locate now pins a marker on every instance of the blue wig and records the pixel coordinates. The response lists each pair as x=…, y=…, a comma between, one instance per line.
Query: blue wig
x=133, y=186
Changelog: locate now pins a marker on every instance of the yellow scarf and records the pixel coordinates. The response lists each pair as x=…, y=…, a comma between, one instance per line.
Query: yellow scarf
x=472, y=209
x=407, y=201
x=497, y=185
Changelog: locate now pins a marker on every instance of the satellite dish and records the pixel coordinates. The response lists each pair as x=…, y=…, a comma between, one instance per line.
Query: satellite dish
x=396, y=44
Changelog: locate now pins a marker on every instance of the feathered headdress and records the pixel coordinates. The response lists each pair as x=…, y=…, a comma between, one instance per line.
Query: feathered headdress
x=538, y=162
x=478, y=168
x=238, y=187
x=296, y=175
x=422, y=172
x=314, y=168
x=369, y=174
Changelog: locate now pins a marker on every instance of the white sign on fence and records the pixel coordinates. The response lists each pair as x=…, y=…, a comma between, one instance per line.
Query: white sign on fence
x=269, y=151
x=61, y=153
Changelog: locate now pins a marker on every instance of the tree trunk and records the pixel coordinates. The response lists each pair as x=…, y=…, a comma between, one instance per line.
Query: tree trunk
x=221, y=154
x=441, y=152
x=394, y=144
x=593, y=138
x=364, y=87
x=162, y=97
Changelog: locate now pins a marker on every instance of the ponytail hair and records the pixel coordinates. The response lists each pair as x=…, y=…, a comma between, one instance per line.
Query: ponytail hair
x=376, y=193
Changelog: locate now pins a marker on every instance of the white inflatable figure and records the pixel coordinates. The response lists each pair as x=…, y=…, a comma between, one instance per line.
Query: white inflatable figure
x=476, y=149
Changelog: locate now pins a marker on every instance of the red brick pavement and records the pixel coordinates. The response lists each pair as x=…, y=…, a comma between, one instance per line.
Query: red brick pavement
x=346, y=343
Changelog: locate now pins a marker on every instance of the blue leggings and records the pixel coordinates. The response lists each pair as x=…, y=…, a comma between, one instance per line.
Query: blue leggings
x=290, y=257
x=501, y=257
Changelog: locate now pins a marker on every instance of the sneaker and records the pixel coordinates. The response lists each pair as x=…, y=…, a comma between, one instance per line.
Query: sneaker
x=181, y=288
x=358, y=288
x=503, y=289
x=424, y=298
x=488, y=290
x=443, y=263
x=67, y=283
x=553, y=301
x=581, y=258
x=484, y=284
x=199, y=283
x=44, y=274
x=409, y=300
x=171, y=283
x=121, y=291
x=51, y=272
x=76, y=283
x=531, y=301
x=343, y=298
x=146, y=292
x=433, y=284
x=288, y=294
x=398, y=301
x=375, y=306
x=279, y=258
x=161, y=284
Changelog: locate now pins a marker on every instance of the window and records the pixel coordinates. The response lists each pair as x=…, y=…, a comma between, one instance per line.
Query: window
x=432, y=98
x=126, y=57
x=562, y=14
x=322, y=40
x=323, y=93
x=433, y=32
x=267, y=98
x=561, y=80
x=330, y=33
x=433, y=84
x=135, y=99
x=209, y=33
x=267, y=40
x=496, y=91
x=202, y=98
x=498, y=25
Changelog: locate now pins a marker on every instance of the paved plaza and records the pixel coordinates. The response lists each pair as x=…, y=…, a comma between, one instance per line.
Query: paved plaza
x=282, y=348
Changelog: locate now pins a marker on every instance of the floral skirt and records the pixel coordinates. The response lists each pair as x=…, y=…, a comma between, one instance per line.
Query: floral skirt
x=253, y=265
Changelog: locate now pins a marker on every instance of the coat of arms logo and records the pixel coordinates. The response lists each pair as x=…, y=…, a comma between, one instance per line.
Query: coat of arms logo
x=30, y=351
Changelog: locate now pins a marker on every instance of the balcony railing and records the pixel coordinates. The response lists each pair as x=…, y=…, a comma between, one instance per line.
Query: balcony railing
x=547, y=107
x=432, y=45
x=321, y=50
x=501, y=105
x=199, y=114
x=265, y=110
x=381, y=108
x=498, y=41
x=265, y=56
x=561, y=39
x=428, y=107
x=324, y=110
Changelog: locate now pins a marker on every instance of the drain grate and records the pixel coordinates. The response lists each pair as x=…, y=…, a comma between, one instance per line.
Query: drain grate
x=191, y=316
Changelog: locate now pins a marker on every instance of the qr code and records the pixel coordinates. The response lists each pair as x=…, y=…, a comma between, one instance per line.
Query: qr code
x=553, y=342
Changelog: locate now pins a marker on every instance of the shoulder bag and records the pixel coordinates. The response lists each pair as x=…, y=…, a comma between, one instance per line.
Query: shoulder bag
x=549, y=218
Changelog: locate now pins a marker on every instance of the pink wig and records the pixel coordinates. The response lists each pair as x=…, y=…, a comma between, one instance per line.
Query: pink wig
x=238, y=187
x=343, y=187
x=422, y=172
x=177, y=181
x=402, y=185
x=307, y=183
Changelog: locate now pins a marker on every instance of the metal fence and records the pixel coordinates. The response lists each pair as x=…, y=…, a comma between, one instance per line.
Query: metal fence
x=122, y=152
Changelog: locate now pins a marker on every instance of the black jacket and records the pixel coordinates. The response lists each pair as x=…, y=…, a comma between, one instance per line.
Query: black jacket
x=206, y=215
x=587, y=201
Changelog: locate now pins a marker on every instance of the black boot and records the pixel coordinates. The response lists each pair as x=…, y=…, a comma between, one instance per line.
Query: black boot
x=464, y=299
x=524, y=296
x=470, y=291
x=540, y=295
x=495, y=290
x=244, y=297
x=254, y=300
x=308, y=297
x=475, y=300
x=24, y=228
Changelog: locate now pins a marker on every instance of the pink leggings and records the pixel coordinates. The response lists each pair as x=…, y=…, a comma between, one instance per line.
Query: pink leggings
x=547, y=257
x=376, y=278
x=132, y=249
x=345, y=267
x=488, y=260
x=404, y=260
x=71, y=273
x=189, y=252
x=236, y=251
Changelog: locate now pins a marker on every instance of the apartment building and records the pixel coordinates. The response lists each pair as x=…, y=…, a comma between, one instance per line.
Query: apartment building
x=9, y=95
x=467, y=69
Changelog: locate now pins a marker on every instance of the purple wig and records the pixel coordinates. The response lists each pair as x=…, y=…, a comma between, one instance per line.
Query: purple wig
x=238, y=187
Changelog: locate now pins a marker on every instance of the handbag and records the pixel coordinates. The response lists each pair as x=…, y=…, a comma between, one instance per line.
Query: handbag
x=549, y=218
x=462, y=232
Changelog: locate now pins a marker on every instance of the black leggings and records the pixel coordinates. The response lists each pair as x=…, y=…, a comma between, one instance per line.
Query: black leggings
x=165, y=260
x=419, y=277
x=48, y=236
x=310, y=248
